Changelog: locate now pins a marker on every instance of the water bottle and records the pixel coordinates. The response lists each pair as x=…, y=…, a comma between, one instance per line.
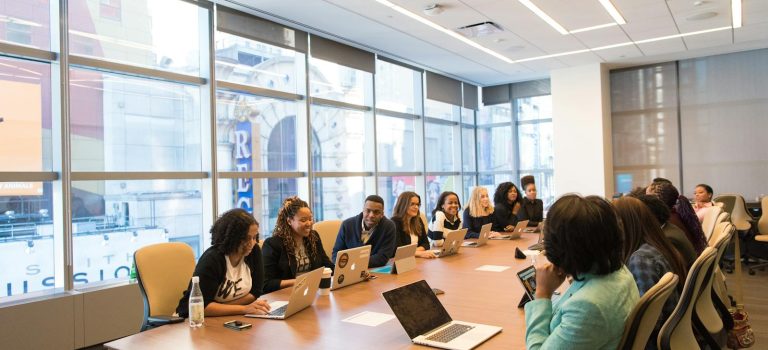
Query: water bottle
x=196, y=305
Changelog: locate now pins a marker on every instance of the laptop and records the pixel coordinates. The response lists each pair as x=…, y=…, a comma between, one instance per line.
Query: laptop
x=452, y=243
x=485, y=230
x=351, y=266
x=539, y=245
x=427, y=322
x=404, y=261
x=302, y=296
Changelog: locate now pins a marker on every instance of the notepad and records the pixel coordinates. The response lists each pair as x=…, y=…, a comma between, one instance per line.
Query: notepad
x=383, y=269
x=492, y=268
x=369, y=318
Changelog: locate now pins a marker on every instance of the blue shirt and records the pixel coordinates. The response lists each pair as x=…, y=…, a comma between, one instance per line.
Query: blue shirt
x=590, y=315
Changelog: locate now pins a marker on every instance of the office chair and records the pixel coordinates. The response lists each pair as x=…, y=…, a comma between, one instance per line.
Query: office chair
x=762, y=233
x=735, y=205
x=677, y=331
x=709, y=311
x=163, y=271
x=328, y=230
x=643, y=318
x=710, y=220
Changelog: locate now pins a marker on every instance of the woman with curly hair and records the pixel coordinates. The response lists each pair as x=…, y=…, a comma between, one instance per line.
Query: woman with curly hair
x=231, y=271
x=681, y=213
x=506, y=203
x=294, y=248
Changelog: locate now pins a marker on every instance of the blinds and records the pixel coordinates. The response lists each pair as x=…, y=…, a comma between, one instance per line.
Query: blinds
x=344, y=55
x=443, y=89
x=244, y=25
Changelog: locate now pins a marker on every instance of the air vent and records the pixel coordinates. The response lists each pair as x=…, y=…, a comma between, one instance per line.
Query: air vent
x=480, y=29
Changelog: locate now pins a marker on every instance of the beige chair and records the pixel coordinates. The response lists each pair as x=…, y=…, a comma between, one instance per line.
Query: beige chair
x=163, y=271
x=677, y=331
x=645, y=314
x=709, y=319
x=328, y=230
x=762, y=233
x=710, y=220
x=735, y=205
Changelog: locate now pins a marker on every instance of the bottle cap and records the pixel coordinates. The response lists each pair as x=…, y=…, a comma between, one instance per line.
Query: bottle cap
x=195, y=279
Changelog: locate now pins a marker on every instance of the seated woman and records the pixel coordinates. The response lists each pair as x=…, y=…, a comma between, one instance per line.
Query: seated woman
x=231, y=271
x=531, y=208
x=582, y=240
x=445, y=216
x=675, y=235
x=408, y=225
x=702, y=200
x=294, y=248
x=648, y=254
x=478, y=212
x=506, y=203
x=681, y=212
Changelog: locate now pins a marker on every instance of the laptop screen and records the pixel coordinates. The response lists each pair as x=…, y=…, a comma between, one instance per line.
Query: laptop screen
x=417, y=308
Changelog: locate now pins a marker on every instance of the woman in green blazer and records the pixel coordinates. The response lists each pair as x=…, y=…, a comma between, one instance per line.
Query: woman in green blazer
x=582, y=241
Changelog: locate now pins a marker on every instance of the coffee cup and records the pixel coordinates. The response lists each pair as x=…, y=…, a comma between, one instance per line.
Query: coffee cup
x=325, y=283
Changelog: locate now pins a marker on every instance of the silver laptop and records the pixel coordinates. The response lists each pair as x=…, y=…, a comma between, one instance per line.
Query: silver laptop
x=404, y=261
x=427, y=322
x=302, y=296
x=485, y=231
x=351, y=266
x=452, y=243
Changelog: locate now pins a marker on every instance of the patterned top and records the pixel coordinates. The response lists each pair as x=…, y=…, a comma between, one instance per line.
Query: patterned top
x=648, y=265
x=302, y=260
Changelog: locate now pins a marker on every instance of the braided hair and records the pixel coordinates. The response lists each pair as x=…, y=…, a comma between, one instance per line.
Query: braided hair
x=290, y=208
x=231, y=230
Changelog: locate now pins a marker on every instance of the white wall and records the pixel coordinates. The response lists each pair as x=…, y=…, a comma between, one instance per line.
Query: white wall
x=581, y=118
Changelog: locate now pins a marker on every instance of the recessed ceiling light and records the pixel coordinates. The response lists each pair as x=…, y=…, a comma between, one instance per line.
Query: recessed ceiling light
x=480, y=29
x=601, y=26
x=736, y=13
x=613, y=11
x=535, y=9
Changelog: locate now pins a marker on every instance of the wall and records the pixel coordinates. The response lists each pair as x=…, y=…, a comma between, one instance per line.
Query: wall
x=582, y=130
x=72, y=320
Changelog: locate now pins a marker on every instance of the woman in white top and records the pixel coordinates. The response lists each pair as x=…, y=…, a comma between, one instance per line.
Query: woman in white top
x=445, y=216
x=702, y=200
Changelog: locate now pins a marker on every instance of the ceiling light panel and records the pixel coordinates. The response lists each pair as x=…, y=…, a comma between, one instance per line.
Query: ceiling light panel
x=544, y=16
x=736, y=13
x=613, y=11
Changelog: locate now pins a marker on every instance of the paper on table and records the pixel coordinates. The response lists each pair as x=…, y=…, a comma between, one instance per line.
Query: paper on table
x=492, y=268
x=369, y=318
x=529, y=252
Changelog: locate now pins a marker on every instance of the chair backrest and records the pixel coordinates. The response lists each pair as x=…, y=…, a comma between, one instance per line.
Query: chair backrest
x=723, y=217
x=710, y=219
x=705, y=307
x=643, y=318
x=738, y=210
x=327, y=230
x=163, y=271
x=677, y=331
x=762, y=224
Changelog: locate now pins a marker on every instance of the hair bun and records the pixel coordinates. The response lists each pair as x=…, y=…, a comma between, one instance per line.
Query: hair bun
x=527, y=180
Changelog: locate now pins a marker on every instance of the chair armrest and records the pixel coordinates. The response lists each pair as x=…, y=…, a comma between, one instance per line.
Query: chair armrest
x=763, y=237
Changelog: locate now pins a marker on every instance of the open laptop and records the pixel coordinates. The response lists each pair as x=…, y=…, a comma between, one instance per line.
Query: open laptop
x=427, y=322
x=485, y=231
x=539, y=245
x=452, y=243
x=404, y=261
x=302, y=296
x=351, y=266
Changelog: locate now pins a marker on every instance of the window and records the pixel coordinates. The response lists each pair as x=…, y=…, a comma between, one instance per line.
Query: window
x=262, y=197
x=339, y=140
x=337, y=198
x=396, y=140
x=122, y=123
x=159, y=34
x=398, y=88
x=331, y=81
x=253, y=63
x=26, y=22
x=111, y=219
x=534, y=132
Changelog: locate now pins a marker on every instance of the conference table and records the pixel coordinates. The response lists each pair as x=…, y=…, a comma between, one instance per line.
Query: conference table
x=474, y=296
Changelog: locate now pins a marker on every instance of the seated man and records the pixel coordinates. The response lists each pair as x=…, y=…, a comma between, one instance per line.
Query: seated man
x=368, y=228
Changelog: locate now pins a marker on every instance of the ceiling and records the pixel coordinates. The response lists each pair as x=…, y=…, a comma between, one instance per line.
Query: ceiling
x=373, y=26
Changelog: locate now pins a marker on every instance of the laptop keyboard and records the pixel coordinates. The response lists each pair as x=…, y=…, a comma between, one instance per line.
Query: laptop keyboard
x=279, y=311
x=537, y=246
x=449, y=333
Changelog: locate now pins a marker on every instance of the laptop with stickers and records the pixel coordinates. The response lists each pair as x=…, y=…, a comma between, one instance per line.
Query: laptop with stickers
x=351, y=266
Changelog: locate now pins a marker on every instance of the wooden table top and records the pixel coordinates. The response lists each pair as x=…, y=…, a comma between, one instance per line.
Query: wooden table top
x=473, y=296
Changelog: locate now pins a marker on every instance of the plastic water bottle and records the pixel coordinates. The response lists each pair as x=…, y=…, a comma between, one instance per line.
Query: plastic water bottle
x=196, y=305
